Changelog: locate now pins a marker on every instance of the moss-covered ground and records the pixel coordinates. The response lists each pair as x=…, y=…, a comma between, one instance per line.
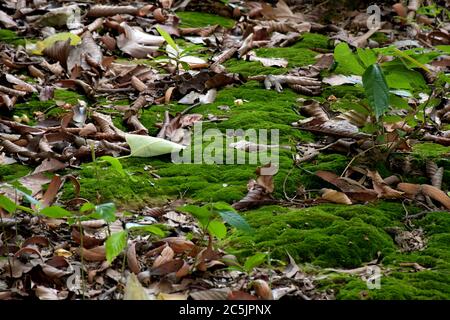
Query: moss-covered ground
x=323, y=236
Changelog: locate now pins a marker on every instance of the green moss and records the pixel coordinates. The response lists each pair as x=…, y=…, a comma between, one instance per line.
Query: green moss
x=428, y=150
x=200, y=19
x=379, y=37
x=313, y=40
x=202, y=182
x=49, y=107
x=11, y=37
x=251, y=68
x=13, y=171
x=296, y=56
x=324, y=235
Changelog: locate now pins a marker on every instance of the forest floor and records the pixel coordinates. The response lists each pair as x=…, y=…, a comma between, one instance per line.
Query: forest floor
x=90, y=196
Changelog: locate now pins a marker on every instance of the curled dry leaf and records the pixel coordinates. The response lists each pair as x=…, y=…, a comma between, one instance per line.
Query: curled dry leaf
x=335, y=196
x=166, y=255
x=94, y=254
x=88, y=242
x=262, y=289
x=179, y=245
x=134, y=289
x=240, y=295
x=132, y=261
x=383, y=190
x=168, y=267
x=436, y=194
x=44, y=293
x=259, y=191
x=435, y=174
x=211, y=294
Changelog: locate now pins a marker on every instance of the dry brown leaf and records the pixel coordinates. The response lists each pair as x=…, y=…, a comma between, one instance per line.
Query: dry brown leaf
x=335, y=196
x=240, y=295
x=436, y=194
x=168, y=267
x=134, y=289
x=88, y=242
x=400, y=9
x=211, y=294
x=166, y=255
x=179, y=245
x=44, y=293
x=133, y=263
x=262, y=289
x=383, y=190
x=410, y=189
x=41, y=240
x=94, y=254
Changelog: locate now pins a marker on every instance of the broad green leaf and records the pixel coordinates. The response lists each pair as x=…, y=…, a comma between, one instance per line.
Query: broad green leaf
x=367, y=56
x=115, y=164
x=115, y=244
x=203, y=214
x=152, y=229
x=217, y=228
x=87, y=207
x=48, y=42
x=347, y=61
x=146, y=146
x=106, y=211
x=254, y=261
x=235, y=220
x=55, y=212
x=7, y=204
x=167, y=37
x=376, y=89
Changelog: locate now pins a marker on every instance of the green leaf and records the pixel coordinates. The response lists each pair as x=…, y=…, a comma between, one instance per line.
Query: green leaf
x=185, y=65
x=115, y=244
x=55, y=212
x=367, y=56
x=146, y=146
x=376, y=89
x=152, y=229
x=115, y=164
x=87, y=207
x=203, y=214
x=167, y=37
x=7, y=204
x=106, y=211
x=254, y=261
x=217, y=228
x=235, y=220
x=347, y=60
x=48, y=42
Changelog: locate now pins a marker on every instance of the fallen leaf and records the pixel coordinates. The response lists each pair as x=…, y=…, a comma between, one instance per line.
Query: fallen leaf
x=132, y=261
x=44, y=293
x=134, y=290
x=335, y=196
x=146, y=146
x=94, y=254
x=436, y=194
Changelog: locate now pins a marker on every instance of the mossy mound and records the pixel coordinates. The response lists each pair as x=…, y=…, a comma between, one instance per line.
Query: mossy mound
x=402, y=282
x=326, y=235
x=190, y=19
x=298, y=55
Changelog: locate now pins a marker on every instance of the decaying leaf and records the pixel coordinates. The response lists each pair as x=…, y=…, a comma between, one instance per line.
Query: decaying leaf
x=335, y=196
x=134, y=289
